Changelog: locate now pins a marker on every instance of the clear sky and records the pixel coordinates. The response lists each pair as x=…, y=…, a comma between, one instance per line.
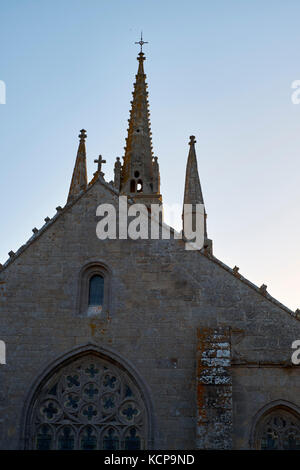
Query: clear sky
x=221, y=70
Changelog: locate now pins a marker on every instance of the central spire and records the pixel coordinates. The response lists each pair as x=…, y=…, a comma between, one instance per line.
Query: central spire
x=140, y=172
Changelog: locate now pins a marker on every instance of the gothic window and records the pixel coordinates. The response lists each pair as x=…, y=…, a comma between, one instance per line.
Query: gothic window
x=93, y=290
x=96, y=290
x=279, y=430
x=88, y=404
x=139, y=187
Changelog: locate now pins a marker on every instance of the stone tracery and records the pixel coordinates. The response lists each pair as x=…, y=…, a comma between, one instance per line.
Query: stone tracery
x=279, y=429
x=89, y=404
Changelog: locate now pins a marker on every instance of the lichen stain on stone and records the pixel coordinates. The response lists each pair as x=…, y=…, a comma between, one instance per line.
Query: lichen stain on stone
x=98, y=326
x=93, y=328
x=201, y=343
x=214, y=389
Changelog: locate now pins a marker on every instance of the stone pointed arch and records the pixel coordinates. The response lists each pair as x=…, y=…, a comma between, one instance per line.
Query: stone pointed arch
x=282, y=410
x=131, y=398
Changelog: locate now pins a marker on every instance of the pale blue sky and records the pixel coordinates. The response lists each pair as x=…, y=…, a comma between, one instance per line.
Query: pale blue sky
x=221, y=70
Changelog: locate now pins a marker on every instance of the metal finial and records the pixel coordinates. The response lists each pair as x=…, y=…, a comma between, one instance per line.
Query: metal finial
x=141, y=42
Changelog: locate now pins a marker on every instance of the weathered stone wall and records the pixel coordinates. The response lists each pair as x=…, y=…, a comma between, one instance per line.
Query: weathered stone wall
x=214, y=389
x=160, y=295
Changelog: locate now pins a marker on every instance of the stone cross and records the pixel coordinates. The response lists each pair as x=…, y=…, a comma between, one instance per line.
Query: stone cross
x=100, y=162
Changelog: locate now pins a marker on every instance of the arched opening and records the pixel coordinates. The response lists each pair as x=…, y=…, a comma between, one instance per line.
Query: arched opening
x=278, y=429
x=93, y=296
x=90, y=401
x=132, y=186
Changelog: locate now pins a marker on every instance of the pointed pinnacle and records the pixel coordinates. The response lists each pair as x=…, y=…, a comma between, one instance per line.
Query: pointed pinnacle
x=79, y=177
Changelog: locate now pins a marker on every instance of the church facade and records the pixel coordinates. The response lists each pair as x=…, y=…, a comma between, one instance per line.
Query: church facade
x=139, y=344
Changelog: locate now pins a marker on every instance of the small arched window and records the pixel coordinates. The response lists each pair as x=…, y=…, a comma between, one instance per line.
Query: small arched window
x=139, y=186
x=96, y=290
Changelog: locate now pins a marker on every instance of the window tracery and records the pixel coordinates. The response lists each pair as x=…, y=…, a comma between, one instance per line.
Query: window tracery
x=89, y=404
x=279, y=430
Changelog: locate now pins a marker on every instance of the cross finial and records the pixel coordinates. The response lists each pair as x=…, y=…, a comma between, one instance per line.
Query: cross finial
x=141, y=42
x=82, y=135
x=192, y=140
x=100, y=161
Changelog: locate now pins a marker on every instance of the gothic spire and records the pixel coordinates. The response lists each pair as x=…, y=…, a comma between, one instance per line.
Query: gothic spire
x=79, y=178
x=192, y=191
x=140, y=174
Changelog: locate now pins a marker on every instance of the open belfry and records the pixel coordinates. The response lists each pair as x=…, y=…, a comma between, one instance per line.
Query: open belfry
x=139, y=344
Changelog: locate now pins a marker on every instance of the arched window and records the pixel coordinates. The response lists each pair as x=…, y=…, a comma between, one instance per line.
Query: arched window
x=278, y=429
x=88, y=403
x=96, y=290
